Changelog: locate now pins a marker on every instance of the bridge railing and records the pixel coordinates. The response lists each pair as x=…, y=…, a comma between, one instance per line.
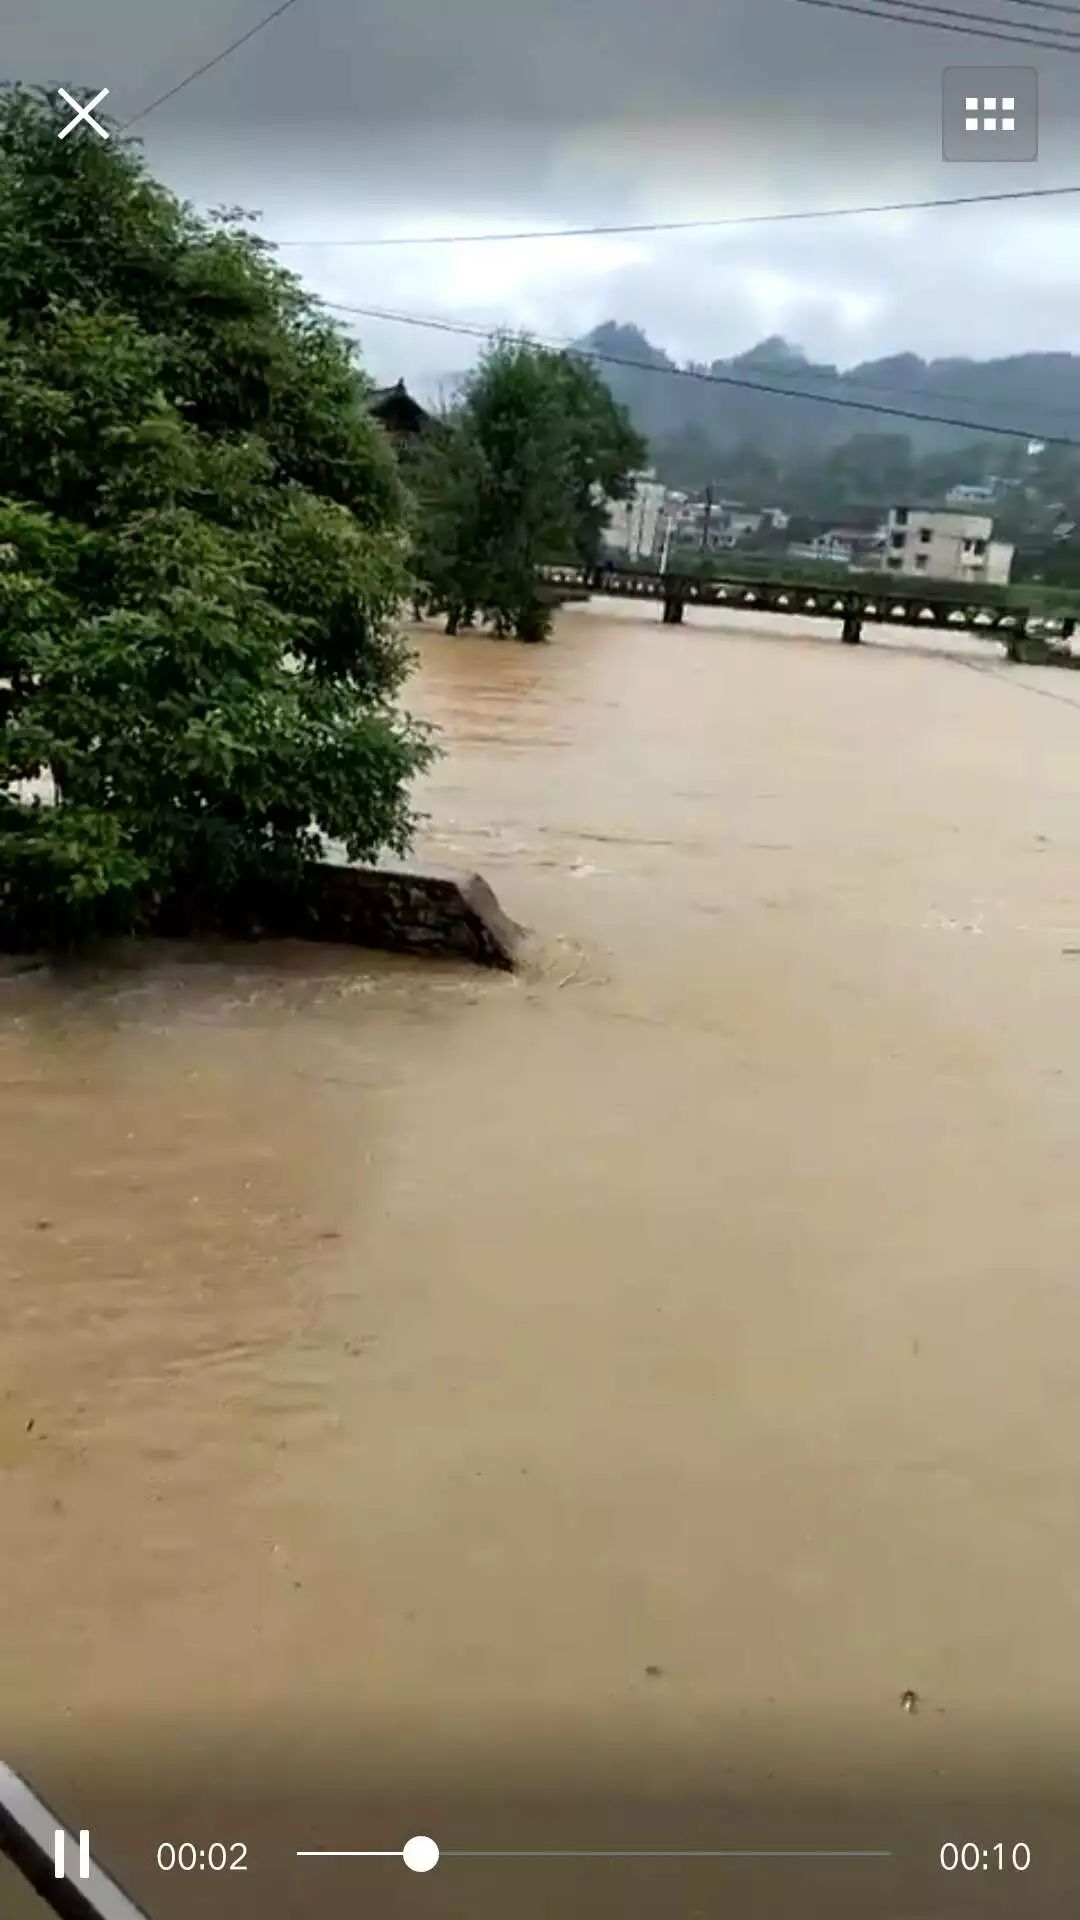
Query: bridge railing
x=882, y=604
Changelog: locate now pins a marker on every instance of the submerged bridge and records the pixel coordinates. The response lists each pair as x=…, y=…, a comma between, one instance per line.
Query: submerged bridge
x=906, y=607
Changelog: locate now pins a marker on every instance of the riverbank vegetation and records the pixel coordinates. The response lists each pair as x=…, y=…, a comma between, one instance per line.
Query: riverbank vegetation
x=522, y=472
x=202, y=556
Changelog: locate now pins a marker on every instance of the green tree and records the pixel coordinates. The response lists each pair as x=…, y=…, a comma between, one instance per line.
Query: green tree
x=969, y=465
x=604, y=450
x=519, y=476
x=201, y=558
x=688, y=459
x=749, y=475
x=453, y=537
x=870, y=469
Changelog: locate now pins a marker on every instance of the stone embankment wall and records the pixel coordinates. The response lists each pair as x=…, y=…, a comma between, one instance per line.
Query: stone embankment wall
x=1035, y=650
x=443, y=913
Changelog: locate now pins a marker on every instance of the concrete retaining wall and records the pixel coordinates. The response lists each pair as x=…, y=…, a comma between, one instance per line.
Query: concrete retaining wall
x=438, y=912
x=435, y=912
x=1035, y=650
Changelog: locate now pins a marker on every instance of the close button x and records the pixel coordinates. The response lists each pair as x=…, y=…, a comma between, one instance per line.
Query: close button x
x=83, y=113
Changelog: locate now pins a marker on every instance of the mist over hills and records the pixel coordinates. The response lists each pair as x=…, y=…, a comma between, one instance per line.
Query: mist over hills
x=1037, y=393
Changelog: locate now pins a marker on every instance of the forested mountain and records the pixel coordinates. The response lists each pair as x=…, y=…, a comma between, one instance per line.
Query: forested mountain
x=686, y=419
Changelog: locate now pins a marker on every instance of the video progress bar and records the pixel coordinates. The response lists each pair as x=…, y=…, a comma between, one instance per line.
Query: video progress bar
x=421, y=1854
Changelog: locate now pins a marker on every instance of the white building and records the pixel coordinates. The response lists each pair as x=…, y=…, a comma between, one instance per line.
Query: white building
x=832, y=546
x=855, y=544
x=740, y=522
x=971, y=496
x=945, y=546
x=716, y=525
x=635, y=527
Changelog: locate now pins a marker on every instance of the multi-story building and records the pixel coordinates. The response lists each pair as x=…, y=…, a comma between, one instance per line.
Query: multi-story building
x=944, y=546
x=636, y=526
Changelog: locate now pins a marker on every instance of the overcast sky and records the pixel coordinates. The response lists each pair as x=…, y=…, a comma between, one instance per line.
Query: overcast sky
x=358, y=118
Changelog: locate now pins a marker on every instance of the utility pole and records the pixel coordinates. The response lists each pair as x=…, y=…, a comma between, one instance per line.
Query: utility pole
x=637, y=538
x=707, y=518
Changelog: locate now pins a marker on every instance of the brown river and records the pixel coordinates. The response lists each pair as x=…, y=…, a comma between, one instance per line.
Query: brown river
x=631, y=1406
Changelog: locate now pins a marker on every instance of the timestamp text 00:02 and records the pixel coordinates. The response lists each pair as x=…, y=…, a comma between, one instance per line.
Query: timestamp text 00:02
x=970, y=1857
x=219, y=1857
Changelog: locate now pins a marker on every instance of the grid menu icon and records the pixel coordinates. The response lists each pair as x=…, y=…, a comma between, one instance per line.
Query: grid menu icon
x=995, y=113
x=990, y=113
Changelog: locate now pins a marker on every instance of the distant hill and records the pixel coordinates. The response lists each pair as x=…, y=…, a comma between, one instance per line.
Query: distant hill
x=1038, y=393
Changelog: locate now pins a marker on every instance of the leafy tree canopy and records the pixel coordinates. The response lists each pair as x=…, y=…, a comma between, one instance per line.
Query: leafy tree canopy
x=201, y=556
x=520, y=475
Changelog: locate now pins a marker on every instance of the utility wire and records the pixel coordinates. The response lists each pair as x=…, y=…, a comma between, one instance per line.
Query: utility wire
x=939, y=26
x=735, y=220
x=731, y=220
x=719, y=221
x=1056, y=6
x=706, y=379
x=963, y=13
x=812, y=373
x=1048, y=6
x=1044, y=6
x=680, y=226
x=208, y=64
x=567, y=343
x=703, y=224
x=765, y=368
x=850, y=380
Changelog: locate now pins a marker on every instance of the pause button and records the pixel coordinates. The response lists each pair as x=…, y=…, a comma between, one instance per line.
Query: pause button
x=60, y=1840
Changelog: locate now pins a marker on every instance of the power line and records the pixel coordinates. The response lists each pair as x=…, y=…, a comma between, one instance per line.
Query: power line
x=1048, y=6
x=875, y=386
x=732, y=220
x=703, y=224
x=680, y=226
x=963, y=13
x=1057, y=6
x=762, y=367
x=812, y=373
x=208, y=64
x=707, y=379
x=566, y=343
x=939, y=26
x=662, y=226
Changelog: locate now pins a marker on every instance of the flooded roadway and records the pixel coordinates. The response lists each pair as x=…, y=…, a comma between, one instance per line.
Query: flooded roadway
x=576, y=1407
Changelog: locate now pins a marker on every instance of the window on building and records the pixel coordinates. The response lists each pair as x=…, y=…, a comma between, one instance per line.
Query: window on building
x=900, y=516
x=895, y=562
x=898, y=540
x=980, y=547
x=924, y=536
x=922, y=560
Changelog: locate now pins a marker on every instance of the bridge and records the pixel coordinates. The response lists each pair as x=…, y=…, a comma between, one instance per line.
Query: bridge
x=906, y=607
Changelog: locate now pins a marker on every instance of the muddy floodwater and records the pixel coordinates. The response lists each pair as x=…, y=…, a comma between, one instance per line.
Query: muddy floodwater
x=633, y=1404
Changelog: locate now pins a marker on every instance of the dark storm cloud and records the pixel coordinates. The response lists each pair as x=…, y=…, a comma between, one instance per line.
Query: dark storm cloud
x=353, y=117
x=375, y=62
x=373, y=69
